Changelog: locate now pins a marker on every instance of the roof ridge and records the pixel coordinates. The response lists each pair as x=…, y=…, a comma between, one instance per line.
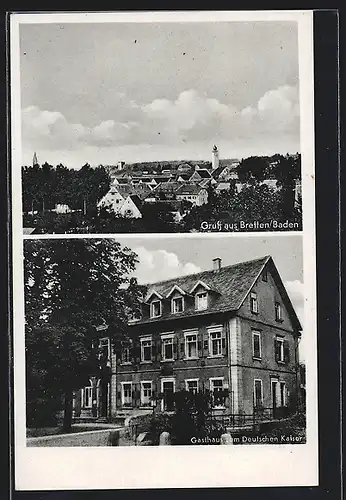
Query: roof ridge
x=264, y=258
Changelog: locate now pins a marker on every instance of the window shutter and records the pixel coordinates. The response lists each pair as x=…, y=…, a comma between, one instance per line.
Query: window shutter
x=153, y=349
x=158, y=349
x=136, y=352
x=223, y=342
x=276, y=349
x=175, y=347
x=118, y=398
x=286, y=351
x=182, y=349
x=205, y=344
x=199, y=346
x=136, y=395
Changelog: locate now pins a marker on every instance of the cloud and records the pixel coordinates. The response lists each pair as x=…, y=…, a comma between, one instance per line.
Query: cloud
x=191, y=117
x=160, y=265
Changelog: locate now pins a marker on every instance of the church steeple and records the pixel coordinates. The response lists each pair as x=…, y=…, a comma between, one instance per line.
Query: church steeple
x=34, y=159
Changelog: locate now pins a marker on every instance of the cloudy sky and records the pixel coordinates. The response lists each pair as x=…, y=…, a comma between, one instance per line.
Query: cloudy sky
x=101, y=93
x=169, y=257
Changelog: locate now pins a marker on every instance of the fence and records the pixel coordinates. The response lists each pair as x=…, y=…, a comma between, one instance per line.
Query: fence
x=237, y=420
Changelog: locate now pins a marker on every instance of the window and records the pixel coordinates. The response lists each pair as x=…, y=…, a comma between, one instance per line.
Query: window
x=104, y=348
x=146, y=393
x=191, y=385
x=215, y=343
x=191, y=346
x=155, y=308
x=201, y=301
x=126, y=393
x=256, y=345
x=279, y=349
x=258, y=393
x=87, y=397
x=146, y=350
x=167, y=349
x=253, y=302
x=265, y=275
x=216, y=389
x=278, y=312
x=126, y=355
x=177, y=304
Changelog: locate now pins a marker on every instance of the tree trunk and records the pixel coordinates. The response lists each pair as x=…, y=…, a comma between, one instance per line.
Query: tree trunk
x=68, y=408
x=43, y=206
x=32, y=207
x=84, y=207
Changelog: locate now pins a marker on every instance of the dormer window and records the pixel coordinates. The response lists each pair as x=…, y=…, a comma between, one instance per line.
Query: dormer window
x=177, y=304
x=155, y=308
x=201, y=301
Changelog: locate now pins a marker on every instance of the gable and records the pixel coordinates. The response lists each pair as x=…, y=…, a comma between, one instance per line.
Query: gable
x=268, y=293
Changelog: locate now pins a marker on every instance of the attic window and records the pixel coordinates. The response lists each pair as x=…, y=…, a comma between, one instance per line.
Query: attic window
x=201, y=301
x=155, y=308
x=177, y=304
x=253, y=302
x=278, y=312
x=265, y=275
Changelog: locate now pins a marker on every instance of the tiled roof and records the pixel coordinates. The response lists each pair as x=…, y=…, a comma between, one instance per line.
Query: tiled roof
x=189, y=189
x=229, y=286
x=28, y=230
x=204, y=173
x=136, y=200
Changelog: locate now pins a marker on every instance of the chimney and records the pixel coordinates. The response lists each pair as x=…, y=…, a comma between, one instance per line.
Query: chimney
x=217, y=264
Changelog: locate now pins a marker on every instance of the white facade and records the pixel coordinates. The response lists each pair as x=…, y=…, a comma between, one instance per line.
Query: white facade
x=215, y=158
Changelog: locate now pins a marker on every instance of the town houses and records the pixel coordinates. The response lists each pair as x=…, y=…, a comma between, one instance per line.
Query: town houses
x=230, y=330
x=186, y=182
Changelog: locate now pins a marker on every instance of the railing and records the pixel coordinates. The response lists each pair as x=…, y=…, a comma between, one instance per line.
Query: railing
x=237, y=420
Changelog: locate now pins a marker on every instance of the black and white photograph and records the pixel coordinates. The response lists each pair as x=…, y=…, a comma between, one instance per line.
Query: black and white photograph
x=163, y=227
x=160, y=127
x=147, y=343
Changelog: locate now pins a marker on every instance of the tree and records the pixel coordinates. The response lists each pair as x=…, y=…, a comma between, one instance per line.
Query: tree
x=287, y=172
x=71, y=286
x=253, y=167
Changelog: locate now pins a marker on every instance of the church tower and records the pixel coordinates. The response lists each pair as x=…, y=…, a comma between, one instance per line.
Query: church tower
x=215, y=157
x=34, y=160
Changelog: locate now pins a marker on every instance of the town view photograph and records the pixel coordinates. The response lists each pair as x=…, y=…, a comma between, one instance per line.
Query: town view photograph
x=160, y=127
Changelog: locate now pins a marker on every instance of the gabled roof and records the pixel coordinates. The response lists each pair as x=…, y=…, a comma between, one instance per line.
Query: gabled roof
x=28, y=230
x=203, y=173
x=233, y=284
x=136, y=201
x=175, y=287
x=189, y=189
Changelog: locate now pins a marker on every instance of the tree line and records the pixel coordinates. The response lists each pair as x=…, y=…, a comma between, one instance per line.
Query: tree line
x=45, y=186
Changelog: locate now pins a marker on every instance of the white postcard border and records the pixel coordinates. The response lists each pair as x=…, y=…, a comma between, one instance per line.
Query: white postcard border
x=169, y=467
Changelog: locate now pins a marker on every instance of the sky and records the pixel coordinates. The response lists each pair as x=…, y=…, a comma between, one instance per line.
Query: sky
x=168, y=257
x=101, y=93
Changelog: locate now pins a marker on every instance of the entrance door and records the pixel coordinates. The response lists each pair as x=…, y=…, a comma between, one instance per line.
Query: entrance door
x=274, y=397
x=168, y=392
x=103, y=401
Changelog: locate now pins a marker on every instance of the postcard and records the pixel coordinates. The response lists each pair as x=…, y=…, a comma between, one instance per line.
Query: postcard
x=164, y=270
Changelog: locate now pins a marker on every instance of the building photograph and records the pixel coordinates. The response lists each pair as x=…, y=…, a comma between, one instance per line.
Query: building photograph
x=222, y=328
